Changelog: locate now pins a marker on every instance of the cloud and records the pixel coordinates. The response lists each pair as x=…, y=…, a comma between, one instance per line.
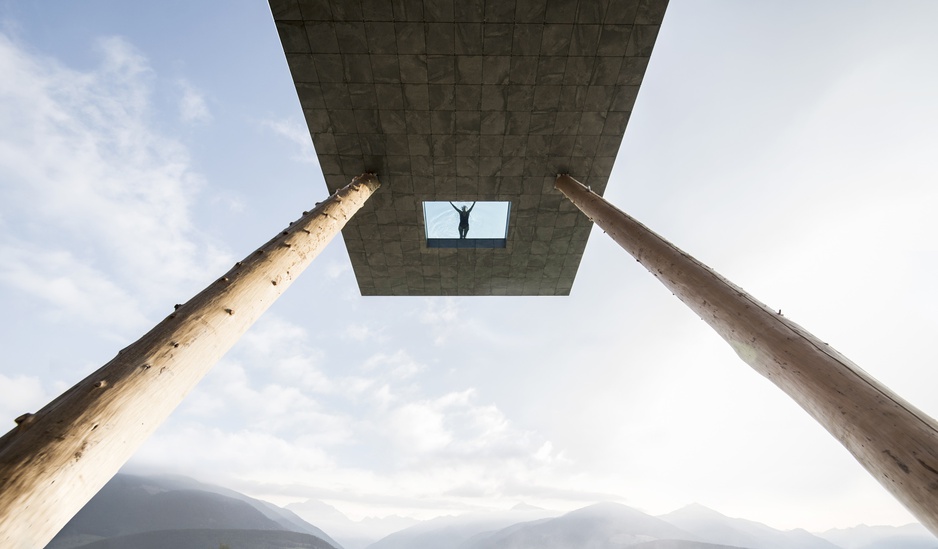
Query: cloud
x=71, y=288
x=335, y=269
x=192, y=106
x=442, y=315
x=439, y=311
x=323, y=420
x=399, y=365
x=362, y=332
x=19, y=394
x=274, y=335
x=213, y=453
x=232, y=201
x=94, y=189
x=417, y=428
x=447, y=319
x=297, y=133
x=455, y=430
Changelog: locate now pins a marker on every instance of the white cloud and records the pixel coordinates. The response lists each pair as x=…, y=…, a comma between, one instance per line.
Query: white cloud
x=362, y=332
x=94, y=189
x=192, y=105
x=357, y=332
x=72, y=288
x=398, y=365
x=417, y=428
x=274, y=335
x=19, y=394
x=273, y=389
x=221, y=455
x=335, y=269
x=439, y=311
x=232, y=201
x=448, y=318
x=443, y=316
x=297, y=133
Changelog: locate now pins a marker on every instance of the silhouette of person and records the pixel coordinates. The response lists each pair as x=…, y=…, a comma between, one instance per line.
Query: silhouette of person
x=463, y=219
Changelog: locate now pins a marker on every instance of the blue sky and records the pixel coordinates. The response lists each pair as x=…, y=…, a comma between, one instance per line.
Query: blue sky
x=789, y=145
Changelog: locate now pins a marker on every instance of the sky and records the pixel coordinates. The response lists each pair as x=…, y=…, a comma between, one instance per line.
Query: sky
x=146, y=147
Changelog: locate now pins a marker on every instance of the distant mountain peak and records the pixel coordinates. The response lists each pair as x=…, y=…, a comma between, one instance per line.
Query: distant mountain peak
x=606, y=507
x=864, y=536
x=697, y=510
x=137, y=506
x=714, y=527
x=522, y=506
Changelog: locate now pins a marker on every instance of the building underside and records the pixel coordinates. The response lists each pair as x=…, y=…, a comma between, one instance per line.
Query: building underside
x=467, y=101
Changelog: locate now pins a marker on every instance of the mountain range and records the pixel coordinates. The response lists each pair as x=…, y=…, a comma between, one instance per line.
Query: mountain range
x=135, y=512
x=601, y=526
x=150, y=512
x=352, y=534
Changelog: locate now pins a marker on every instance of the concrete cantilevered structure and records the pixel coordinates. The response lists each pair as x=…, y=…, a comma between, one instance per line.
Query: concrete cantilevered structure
x=467, y=100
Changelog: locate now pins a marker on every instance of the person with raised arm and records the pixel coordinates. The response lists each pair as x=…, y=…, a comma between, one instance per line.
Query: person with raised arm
x=463, y=219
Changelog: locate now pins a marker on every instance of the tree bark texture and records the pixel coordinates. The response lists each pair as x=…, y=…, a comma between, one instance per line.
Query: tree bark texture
x=894, y=441
x=55, y=460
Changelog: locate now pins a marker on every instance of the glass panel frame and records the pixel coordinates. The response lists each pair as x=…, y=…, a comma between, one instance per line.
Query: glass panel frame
x=486, y=224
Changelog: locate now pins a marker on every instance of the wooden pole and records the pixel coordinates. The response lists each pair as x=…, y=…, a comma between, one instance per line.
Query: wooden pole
x=55, y=460
x=894, y=441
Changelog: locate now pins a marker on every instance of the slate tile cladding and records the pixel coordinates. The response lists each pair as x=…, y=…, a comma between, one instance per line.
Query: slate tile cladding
x=467, y=100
